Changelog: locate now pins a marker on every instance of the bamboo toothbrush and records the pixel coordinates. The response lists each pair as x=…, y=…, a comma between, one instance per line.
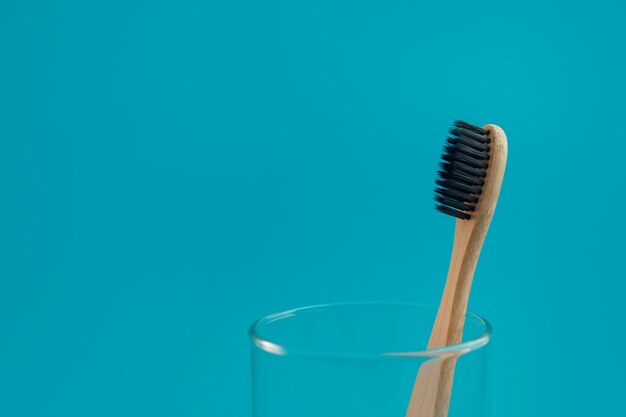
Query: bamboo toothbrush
x=472, y=170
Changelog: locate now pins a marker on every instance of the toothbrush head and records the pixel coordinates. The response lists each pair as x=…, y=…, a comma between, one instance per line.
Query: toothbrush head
x=463, y=170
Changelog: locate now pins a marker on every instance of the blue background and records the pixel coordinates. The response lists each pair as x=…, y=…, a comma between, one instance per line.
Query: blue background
x=170, y=171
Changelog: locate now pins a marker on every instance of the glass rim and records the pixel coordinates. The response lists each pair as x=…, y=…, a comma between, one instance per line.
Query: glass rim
x=446, y=351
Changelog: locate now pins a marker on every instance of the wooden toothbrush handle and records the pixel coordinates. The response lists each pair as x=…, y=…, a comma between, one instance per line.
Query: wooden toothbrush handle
x=433, y=385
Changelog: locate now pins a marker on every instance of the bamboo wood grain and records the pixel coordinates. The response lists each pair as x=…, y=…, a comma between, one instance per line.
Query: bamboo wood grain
x=433, y=385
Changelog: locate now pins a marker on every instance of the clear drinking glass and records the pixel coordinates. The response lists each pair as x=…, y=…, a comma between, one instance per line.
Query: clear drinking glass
x=360, y=360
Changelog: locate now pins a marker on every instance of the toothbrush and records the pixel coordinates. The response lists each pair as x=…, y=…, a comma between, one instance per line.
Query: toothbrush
x=468, y=187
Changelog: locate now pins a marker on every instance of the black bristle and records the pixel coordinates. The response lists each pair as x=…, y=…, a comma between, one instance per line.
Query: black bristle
x=464, y=125
x=459, y=186
x=464, y=133
x=461, y=178
x=463, y=168
x=469, y=143
x=456, y=195
x=453, y=212
x=454, y=204
x=473, y=153
x=452, y=156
